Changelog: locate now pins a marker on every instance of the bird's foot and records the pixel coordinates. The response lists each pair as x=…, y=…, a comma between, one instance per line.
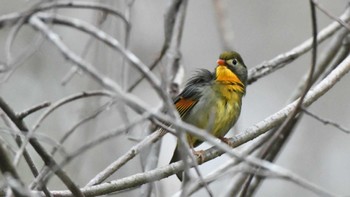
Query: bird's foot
x=199, y=156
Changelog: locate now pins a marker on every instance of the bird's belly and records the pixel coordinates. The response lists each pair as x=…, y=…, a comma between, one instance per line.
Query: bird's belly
x=226, y=116
x=216, y=117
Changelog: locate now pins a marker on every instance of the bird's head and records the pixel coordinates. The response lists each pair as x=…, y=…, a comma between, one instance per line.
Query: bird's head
x=230, y=67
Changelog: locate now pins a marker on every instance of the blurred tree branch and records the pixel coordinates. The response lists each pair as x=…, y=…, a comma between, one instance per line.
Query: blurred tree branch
x=49, y=161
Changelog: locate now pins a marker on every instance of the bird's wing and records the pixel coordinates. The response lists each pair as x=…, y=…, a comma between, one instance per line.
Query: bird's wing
x=192, y=93
x=184, y=105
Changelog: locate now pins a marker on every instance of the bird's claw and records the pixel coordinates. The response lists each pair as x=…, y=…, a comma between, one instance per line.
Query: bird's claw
x=199, y=156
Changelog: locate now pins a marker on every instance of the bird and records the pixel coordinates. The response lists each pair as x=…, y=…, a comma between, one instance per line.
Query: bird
x=212, y=100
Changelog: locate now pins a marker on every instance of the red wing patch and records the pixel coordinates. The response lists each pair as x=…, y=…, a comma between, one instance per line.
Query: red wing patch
x=184, y=105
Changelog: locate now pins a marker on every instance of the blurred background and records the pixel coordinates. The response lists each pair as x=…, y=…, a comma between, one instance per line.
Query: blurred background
x=261, y=31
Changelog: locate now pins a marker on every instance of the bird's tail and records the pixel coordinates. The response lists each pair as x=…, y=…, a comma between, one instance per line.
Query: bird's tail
x=177, y=157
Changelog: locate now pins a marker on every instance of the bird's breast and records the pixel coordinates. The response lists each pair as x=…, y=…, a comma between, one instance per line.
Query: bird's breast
x=228, y=108
x=216, y=111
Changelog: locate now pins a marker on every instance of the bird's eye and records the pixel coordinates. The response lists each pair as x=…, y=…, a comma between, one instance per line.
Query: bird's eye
x=234, y=62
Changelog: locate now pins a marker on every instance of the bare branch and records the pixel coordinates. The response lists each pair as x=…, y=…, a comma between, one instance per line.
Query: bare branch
x=327, y=122
x=13, y=63
x=33, y=109
x=66, y=100
x=340, y=21
x=10, y=19
x=77, y=125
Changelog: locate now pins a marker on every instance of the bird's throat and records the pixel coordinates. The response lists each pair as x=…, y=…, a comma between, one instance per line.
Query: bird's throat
x=225, y=74
x=229, y=79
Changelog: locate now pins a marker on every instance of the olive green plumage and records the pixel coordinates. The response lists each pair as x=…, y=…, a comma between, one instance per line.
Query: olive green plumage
x=212, y=100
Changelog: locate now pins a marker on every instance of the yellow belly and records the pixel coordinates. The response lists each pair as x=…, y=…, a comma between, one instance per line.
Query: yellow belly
x=226, y=116
x=217, y=111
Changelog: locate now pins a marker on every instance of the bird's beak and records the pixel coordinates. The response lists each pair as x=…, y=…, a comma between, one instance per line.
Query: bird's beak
x=221, y=62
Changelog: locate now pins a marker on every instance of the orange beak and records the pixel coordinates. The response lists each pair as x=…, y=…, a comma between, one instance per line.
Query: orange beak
x=221, y=62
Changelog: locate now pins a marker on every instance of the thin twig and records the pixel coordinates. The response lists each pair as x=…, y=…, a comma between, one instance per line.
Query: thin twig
x=33, y=109
x=322, y=9
x=327, y=122
x=77, y=125
x=12, y=64
x=67, y=100
x=12, y=18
